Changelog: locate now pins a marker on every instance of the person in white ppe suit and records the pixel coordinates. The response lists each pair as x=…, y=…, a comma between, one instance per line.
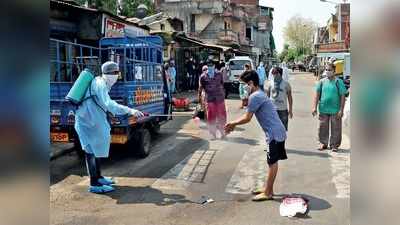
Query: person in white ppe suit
x=262, y=76
x=92, y=127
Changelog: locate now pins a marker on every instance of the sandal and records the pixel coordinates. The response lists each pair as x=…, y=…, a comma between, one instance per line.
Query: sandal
x=262, y=197
x=322, y=147
x=257, y=191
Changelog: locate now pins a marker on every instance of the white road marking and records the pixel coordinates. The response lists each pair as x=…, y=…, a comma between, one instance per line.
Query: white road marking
x=250, y=173
x=340, y=167
x=190, y=170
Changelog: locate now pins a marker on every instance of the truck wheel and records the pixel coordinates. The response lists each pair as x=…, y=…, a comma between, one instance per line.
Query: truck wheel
x=155, y=129
x=140, y=143
x=78, y=149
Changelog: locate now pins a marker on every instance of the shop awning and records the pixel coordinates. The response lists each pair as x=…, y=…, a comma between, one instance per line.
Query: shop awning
x=206, y=45
x=223, y=48
x=190, y=40
x=243, y=52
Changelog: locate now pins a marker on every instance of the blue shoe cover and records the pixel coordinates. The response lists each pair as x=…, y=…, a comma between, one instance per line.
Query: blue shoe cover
x=101, y=189
x=106, y=181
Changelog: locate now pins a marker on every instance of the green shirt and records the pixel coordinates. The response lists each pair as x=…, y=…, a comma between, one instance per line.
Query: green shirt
x=332, y=90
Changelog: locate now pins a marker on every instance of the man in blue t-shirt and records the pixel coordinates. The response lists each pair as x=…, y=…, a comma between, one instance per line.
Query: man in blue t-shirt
x=265, y=111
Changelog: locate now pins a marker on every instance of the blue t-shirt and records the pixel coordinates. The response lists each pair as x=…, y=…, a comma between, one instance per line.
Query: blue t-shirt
x=267, y=116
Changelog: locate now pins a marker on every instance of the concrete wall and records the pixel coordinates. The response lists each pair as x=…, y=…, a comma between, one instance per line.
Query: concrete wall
x=261, y=39
x=184, y=10
x=239, y=27
x=202, y=21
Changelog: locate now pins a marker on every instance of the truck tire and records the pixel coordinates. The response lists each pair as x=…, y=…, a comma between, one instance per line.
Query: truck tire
x=155, y=129
x=139, y=143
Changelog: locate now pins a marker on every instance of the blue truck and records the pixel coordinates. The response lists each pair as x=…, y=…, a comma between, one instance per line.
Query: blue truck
x=142, y=85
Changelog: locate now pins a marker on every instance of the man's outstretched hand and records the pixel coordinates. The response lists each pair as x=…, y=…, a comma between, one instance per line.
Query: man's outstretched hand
x=229, y=127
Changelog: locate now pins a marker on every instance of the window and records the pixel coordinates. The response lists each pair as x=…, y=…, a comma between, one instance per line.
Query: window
x=248, y=33
x=165, y=52
x=238, y=64
x=162, y=26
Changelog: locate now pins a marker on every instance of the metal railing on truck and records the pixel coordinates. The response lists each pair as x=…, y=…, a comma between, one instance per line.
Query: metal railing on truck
x=140, y=59
x=68, y=59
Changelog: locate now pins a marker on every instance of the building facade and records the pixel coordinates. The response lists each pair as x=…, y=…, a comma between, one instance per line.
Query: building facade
x=335, y=36
x=243, y=25
x=333, y=40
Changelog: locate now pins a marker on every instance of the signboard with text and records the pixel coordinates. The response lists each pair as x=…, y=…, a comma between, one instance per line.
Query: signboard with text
x=332, y=47
x=114, y=29
x=119, y=29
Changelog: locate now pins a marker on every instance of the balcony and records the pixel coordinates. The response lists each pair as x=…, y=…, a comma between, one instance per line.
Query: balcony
x=339, y=46
x=228, y=36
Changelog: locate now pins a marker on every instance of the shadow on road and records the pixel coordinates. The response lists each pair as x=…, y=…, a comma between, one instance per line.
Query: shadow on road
x=315, y=203
x=315, y=153
x=143, y=195
x=241, y=140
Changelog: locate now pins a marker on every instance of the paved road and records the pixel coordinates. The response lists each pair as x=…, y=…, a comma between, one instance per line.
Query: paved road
x=169, y=185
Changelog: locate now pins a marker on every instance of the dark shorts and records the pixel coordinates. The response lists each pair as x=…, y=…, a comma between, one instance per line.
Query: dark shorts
x=284, y=116
x=276, y=152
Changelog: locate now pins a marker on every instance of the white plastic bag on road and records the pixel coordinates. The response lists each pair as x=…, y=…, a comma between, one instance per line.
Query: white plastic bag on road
x=290, y=206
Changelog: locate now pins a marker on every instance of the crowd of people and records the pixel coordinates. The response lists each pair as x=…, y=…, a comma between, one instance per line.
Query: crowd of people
x=270, y=102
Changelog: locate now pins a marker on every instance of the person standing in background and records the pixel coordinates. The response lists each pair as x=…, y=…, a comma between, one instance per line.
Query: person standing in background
x=261, y=75
x=211, y=81
x=285, y=74
x=190, y=73
x=330, y=99
x=224, y=72
x=280, y=92
x=172, y=74
x=244, y=96
x=198, y=72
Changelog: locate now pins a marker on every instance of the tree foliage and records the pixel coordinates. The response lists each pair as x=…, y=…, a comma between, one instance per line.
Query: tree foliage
x=299, y=33
x=291, y=54
x=283, y=54
x=107, y=5
x=127, y=7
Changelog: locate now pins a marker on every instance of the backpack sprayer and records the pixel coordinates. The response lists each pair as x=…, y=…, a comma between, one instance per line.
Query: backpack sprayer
x=80, y=86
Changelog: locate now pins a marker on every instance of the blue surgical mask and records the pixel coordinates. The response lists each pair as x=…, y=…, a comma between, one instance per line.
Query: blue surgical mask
x=211, y=72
